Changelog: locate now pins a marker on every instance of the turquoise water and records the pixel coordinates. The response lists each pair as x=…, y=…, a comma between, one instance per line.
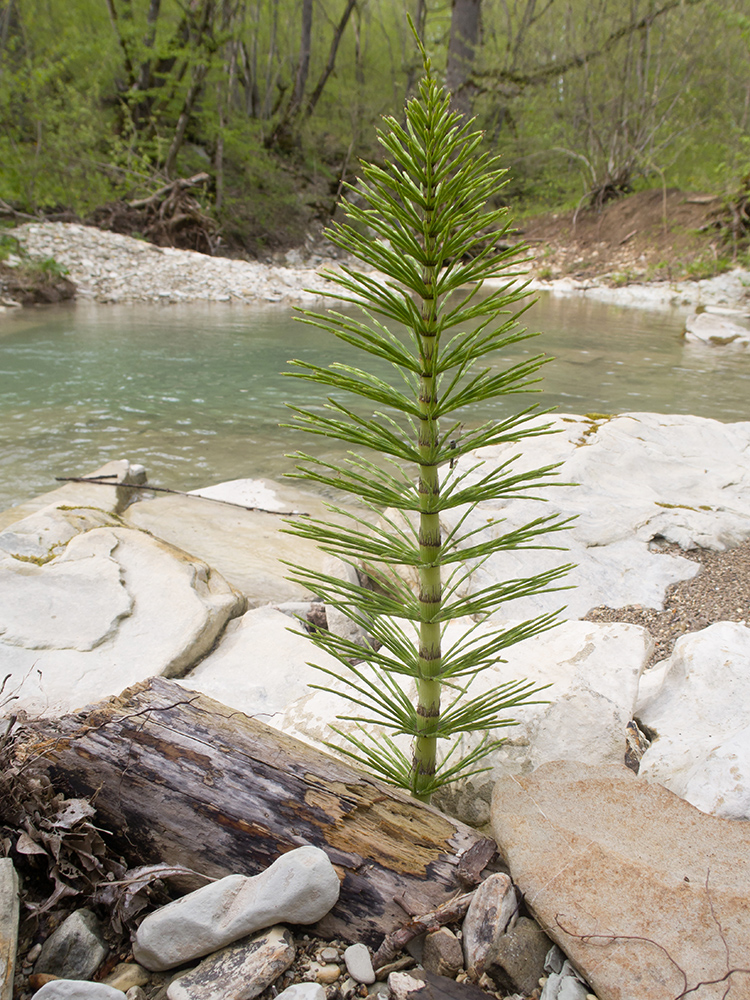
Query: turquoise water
x=195, y=393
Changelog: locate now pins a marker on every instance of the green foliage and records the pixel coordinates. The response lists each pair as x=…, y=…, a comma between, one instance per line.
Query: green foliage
x=424, y=225
x=44, y=269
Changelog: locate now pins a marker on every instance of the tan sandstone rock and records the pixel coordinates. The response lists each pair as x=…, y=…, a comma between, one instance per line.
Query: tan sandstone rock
x=646, y=895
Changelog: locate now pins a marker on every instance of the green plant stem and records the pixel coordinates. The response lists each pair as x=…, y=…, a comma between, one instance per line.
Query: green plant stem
x=430, y=588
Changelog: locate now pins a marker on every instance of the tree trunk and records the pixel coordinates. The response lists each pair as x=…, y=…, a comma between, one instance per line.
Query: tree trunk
x=462, y=46
x=315, y=96
x=303, y=65
x=182, y=779
x=194, y=91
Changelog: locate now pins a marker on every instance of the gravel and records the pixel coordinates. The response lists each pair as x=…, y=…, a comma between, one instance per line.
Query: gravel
x=719, y=593
x=109, y=267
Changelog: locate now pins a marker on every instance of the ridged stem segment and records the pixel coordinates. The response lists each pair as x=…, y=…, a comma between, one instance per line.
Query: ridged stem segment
x=430, y=591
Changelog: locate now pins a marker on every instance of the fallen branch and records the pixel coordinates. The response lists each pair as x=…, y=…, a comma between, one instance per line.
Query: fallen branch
x=446, y=913
x=181, y=184
x=101, y=481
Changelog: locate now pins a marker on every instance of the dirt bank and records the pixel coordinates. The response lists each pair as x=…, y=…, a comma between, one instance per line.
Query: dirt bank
x=662, y=235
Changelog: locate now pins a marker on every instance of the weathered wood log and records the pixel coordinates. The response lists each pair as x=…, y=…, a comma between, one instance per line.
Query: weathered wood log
x=182, y=779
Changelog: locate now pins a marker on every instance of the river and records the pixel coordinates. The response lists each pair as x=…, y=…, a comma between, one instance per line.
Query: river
x=196, y=392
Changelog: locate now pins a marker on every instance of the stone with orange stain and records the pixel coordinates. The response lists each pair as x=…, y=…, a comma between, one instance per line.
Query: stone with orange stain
x=645, y=894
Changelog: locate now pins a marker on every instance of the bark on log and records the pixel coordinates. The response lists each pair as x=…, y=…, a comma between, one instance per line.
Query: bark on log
x=182, y=779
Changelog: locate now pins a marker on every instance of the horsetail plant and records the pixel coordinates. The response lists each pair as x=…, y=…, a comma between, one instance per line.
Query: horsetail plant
x=424, y=228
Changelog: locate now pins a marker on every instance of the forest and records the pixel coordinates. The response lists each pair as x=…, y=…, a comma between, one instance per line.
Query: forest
x=250, y=116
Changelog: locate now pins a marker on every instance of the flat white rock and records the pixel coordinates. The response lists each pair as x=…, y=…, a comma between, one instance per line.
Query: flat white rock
x=594, y=669
x=697, y=702
x=248, y=547
x=261, y=665
x=639, y=480
x=100, y=608
x=299, y=888
x=718, y=331
x=112, y=498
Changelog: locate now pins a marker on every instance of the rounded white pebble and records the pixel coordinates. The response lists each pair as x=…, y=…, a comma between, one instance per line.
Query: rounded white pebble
x=359, y=964
x=303, y=991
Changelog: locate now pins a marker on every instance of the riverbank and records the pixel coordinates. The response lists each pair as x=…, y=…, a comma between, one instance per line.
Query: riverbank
x=111, y=268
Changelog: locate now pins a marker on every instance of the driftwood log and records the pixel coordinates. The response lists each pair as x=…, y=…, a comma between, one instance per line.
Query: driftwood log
x=181, y=779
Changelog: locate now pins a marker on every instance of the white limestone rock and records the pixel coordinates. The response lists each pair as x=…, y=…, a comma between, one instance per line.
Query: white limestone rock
x=248, y=547
x=359, y=963
x=642, y=479
x=696, y=702
x=113, y=498
x=594, y=669
x=299, y=888
x=261, y=665
x=239, y=972
x=77, y=989
x=718, y=331
x=99, y=611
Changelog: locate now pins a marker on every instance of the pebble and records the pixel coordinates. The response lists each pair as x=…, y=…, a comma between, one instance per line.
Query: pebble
x=110, y=267
x=303, y=991
x=323, y=973
x=442, y=952
x=126, y=975
x=300, y=887
x=77, y=989
x=329, y=955
x=239, y=972
x=359, y=964
x=75, y=950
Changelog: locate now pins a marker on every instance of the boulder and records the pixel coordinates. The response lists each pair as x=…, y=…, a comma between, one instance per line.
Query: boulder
x=248, y=547
x=645, y=894
x=300, y=887
x=88, y=607
x=635, y=481
x=696, y=705
x=594, y=669
x=716, y=330
x=261, y=665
